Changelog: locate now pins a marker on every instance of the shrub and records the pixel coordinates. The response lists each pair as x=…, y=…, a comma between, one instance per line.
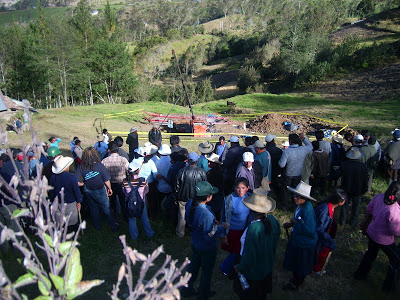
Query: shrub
x=248, y=77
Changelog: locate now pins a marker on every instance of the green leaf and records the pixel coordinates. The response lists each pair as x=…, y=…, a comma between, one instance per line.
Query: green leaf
x=65, y=248
x=42, y=287
x=20, y=213
x=82, y=287
x=48, y=240
x=74, y=270
x=25, y=279
x=58, y=283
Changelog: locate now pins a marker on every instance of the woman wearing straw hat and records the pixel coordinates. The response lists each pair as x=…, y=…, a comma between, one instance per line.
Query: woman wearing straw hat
x=205, y=148
x=62, y=179
x=259, y=243
x=300, y=251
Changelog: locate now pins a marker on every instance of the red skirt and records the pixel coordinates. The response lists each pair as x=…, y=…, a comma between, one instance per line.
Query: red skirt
x=234, y=244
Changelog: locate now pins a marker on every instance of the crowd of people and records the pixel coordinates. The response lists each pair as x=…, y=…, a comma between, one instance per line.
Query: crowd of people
x=227, y=190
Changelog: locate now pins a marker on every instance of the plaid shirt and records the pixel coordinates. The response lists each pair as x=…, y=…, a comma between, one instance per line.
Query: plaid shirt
x=117, y=166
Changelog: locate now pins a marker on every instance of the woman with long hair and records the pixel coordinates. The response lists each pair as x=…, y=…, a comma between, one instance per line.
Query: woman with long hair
x=237, y=215
x=93, y=176
x=381, y=232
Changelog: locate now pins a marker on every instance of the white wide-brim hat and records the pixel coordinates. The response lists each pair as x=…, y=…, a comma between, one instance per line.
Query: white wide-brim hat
x=212, y=157
x=135, y=164
x=260, y=203
x=302, y=189
x=61, y=163
x=141, y=151
x=151, y=150
x=165, y=149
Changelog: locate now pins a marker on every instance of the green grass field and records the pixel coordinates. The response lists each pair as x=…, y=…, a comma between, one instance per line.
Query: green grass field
x=101, y=252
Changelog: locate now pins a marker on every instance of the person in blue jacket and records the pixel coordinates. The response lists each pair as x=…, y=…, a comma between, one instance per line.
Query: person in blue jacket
x=326, y=226
x=204, y=232
x=300, y=251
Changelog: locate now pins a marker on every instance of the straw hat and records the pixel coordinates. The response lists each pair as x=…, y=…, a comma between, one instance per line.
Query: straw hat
x=61, y=163
x=133, y=129
x=354, y=153
x=206, y=147
x=338, y=139
x=164, y=149
x=212, y=157
x=260, y=203
x=100, y=138
x=302, y=189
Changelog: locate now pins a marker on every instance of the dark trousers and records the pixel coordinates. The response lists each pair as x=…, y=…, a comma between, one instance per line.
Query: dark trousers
x=318, y=185
x=355, y=208
x=258, y=288
x=117, y=191
x=291, y=181
x=297, y=279
x=205, y=260
x=393, y=254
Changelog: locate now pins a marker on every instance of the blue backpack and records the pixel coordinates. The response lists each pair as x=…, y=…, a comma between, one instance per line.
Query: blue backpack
x=134, y=202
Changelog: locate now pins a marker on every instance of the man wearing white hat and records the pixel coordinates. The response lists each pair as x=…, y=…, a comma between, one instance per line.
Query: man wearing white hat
x=62, y=179
x=232, y=160
x=163, y=164
x=246, y=170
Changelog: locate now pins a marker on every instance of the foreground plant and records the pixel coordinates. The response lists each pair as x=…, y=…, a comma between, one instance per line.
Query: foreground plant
x=164, y=284
x=58, y=272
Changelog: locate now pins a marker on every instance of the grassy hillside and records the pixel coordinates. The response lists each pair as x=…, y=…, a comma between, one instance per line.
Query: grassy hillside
x=27, y=15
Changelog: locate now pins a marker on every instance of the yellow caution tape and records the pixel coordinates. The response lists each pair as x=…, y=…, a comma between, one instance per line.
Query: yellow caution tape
x=115, y=115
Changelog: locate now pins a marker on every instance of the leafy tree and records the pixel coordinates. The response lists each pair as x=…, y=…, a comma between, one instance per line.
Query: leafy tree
x=83, y=21
x=109, y=25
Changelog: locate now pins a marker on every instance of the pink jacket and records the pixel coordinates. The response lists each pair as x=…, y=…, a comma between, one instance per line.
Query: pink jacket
x=385, y=224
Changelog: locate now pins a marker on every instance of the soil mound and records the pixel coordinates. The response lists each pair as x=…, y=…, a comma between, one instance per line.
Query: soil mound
x=275, y=123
